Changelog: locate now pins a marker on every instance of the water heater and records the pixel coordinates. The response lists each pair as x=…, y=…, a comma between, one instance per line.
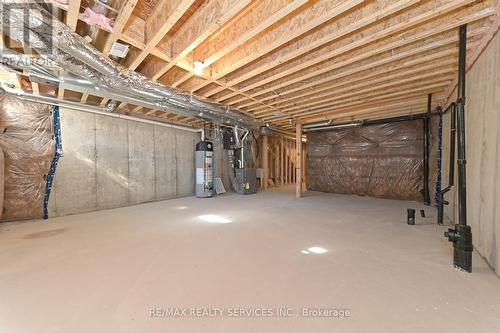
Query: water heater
x=204, y=169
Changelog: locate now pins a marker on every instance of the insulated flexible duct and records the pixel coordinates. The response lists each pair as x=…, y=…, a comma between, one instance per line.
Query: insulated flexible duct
x=73, y=53
x=88, y=108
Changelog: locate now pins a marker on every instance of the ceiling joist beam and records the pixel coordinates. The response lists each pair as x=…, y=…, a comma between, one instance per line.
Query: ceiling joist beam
x=105, y=41
x=165, y=15
x=339, y=28
x=72, y=13
x=245, y=26
x=363, y=100
x=356, y=81
x=364, y=41
x=406, y=106
x=376, y=85
x=208, y=18
x=394, y=50
x=316, y=14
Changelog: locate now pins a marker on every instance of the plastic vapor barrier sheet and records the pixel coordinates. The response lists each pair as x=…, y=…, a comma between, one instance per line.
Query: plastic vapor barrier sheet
x=28, y=148
x=384, y=160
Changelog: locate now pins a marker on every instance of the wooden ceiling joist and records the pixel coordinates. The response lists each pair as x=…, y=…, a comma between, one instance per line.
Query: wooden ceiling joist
x=371, y=78
x=106, y=40
x=73, y=9
x=416, y=107
x=311, y=17
x=410, y=85
x=366, y=86
x=304, y=60
x=364, y=99
x=407, y=106
x=166, y=14
x=369, y=62
x=335, y=50
x=353, y=57
x=326, y=35
x=242, y=28
x=356, y=73
x=72, y=14
x=409, y=102
x=203, y=23
x=199, y=27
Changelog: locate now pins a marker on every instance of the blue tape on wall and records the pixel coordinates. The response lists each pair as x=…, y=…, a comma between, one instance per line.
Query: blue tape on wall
x=55, y=160
x=439, y=161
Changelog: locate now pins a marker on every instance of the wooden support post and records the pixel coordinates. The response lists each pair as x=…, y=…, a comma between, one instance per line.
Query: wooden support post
x=282, y=159
x=292, y=162
x=285, y=162
x=290, y=157
x=298, y=161
x=276, y=163
x=265, y=162
x=289, y=163
x=304, y=163
x=294, y=158
x=271, y=162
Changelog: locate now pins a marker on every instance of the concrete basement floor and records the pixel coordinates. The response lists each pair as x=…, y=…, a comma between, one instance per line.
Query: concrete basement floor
x=105, y=271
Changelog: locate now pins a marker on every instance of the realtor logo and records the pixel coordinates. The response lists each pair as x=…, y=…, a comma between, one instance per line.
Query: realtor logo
x=29, y=25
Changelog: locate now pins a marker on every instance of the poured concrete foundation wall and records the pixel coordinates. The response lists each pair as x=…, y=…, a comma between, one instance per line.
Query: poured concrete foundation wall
x=110, y=162
x=483, y=155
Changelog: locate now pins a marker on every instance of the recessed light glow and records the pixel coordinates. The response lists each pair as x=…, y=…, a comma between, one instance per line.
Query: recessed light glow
x=214, y=219
x=181, y=207
x=315, y=250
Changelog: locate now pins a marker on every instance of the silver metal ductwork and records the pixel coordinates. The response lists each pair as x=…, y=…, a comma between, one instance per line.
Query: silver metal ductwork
x=86, y=69
x=100, y=110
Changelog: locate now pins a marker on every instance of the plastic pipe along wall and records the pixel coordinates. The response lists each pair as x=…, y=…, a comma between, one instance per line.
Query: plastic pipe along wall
x=109, y=162
x=483, y=155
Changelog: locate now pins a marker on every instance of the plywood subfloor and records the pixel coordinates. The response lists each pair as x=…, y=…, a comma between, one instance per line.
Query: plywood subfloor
x=104, y=271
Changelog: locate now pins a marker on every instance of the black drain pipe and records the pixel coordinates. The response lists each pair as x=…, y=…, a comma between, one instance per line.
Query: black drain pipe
x=395, y=119
x=425, y=120
x=451, y=168
x=359, y=123
x=461, y=235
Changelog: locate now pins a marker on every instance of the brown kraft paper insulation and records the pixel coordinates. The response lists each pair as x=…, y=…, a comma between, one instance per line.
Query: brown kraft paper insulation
x=383, y=160
x=28, y=149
